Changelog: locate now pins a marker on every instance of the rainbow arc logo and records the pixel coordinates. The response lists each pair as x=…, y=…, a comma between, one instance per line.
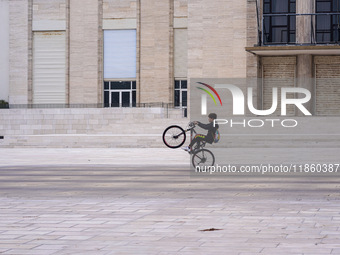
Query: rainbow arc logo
x=209, y=93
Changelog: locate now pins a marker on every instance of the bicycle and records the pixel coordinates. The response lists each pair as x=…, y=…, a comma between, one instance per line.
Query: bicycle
x=174, y=137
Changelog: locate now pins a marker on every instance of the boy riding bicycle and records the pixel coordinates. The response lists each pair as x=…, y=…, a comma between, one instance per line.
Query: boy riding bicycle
x=209, y=137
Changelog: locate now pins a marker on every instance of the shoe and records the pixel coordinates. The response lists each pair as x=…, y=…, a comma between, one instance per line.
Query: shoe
x=186, y=148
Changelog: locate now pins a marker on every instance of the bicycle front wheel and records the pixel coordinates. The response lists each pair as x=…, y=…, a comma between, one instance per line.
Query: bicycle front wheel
x=203, y=157
x=174, y=136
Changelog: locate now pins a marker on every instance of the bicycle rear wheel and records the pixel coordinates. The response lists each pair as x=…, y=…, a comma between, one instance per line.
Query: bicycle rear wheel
x=203, y=157
x=174, y=136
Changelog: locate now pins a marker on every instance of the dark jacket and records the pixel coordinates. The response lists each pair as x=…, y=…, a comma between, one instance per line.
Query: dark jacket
x=211, y=131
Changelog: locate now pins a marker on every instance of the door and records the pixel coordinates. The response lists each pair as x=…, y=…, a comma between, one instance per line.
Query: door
x=121, y=99
x=126, y=98
x=115, y=99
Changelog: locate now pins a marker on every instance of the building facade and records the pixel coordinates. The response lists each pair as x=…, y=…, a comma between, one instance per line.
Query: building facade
x=298, y=46
x=124, y=53
x=115, y=52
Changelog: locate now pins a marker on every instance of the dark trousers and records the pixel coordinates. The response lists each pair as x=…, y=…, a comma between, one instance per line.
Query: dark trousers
x=197, y=139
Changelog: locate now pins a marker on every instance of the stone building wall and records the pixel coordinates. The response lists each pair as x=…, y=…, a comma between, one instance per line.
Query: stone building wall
x=84, y=51
x=216, y=39
x=18, y=51
x=218, y=32
x=217, y=35
x=155, y=45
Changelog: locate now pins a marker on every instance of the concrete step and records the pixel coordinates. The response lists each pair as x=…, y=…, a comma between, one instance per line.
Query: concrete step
x=143, y=127
x=279, y=141
x=155, y=141
x=103, y=127
x=83, y=141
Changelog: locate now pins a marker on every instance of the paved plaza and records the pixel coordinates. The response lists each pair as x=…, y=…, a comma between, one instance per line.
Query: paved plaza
x=144, y=201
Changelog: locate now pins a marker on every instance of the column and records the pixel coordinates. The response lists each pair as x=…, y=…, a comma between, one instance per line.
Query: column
x=84, y=50
x=303, y=36
x=4, y=52
x=155, y=65
x=18, y=51
x=303, y=22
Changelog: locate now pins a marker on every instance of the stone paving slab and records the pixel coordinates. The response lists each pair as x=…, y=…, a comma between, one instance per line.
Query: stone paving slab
x=92, y=156
x=157, y=232
x=85, y=208
x=134, y=157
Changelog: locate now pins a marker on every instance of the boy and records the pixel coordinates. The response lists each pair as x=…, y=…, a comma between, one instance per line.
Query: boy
x=209, y=138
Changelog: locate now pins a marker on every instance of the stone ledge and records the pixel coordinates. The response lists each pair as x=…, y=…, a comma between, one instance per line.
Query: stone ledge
x=294, y=50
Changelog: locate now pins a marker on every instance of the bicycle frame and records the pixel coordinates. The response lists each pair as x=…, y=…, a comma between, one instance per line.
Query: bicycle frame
x=192, y=130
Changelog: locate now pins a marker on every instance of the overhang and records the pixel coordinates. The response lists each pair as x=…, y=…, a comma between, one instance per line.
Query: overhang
x=294, y=50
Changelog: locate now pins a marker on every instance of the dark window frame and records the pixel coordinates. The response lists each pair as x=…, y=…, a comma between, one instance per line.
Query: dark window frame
x=289, y=23
x=328, y=33
x=112, y=87
x=181, y=88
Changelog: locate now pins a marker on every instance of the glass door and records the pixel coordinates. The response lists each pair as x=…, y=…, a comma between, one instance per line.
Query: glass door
x=126, y=98
x=115, y=99
x=120, y=94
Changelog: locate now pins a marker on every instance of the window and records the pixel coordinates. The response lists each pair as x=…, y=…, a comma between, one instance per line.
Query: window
x=119, y=93
x=181, y=93
x=120, y=54
x=328, y=25
x=180, y=68
x=120, y=68
x=278, y=27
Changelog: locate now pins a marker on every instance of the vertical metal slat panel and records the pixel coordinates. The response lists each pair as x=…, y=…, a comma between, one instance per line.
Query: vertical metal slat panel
x=278, y=72
x=49, y=68
x=327, y=73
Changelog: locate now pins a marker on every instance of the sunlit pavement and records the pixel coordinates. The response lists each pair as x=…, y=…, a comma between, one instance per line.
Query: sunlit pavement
x=144, y=201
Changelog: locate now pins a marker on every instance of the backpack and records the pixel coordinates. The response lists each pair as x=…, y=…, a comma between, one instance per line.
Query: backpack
x=217, y=136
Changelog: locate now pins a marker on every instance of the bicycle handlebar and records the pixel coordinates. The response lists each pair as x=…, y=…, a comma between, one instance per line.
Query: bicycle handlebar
x=191, y=127
x=191, y=124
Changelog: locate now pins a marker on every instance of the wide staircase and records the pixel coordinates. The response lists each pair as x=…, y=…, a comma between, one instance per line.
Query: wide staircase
x=87, y=127
x=143, y=127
